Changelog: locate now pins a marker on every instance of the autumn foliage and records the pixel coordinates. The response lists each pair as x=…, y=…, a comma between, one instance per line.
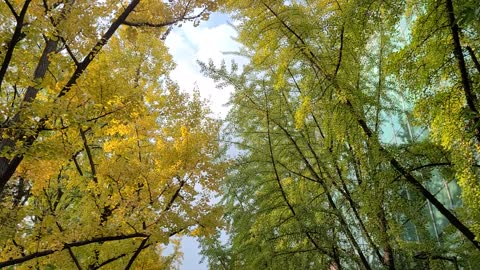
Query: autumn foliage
x=104, y=161
x=356, y=126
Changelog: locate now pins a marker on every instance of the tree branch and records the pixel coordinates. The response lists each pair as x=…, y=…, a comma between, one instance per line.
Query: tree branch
x=82, y=66
x=47, y=252
x=425, y=192
x=425, y=166
x=135, y=255
x=330, y=200
x=175, y=195
x=12, y=9
x=340, y=51
x=74, y=258
x=8, y=166
x=368, y=132
x=322, y=182
x=16, y=37
x=163, y=24
x=474, y=58
x=470, y=96
x=69, y=249
x=89, y=156
x=282, y=191
x=111, y=260
x=69, y=51
x=149, y=24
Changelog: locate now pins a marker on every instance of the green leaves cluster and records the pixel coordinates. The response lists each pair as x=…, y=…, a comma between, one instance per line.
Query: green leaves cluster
x=357, y=127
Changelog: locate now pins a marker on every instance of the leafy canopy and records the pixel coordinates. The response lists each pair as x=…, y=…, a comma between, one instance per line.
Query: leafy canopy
x=104, y=161
x=358, y=127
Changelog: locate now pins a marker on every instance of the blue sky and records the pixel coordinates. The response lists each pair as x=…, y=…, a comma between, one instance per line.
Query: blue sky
x=187, y=44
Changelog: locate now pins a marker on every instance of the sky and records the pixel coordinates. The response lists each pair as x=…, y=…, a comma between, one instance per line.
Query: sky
x=209, y=40
x=187, y=44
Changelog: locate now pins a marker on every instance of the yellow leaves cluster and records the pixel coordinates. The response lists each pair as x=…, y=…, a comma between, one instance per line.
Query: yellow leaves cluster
x=302, y=112
x=123, y=151
x=445, y=115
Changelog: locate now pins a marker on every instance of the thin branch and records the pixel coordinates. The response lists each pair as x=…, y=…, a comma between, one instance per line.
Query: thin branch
x=340, y=51
x=353, y=205
x=474, y=58
x=163, y=24
x=277, y=178
x=74, y=157
x=304, y=48
x=149, y=24
x=93, y=119
x=69, y=51
x=174, y=197
x=425, y=166
x=135, y=255
x=55, y=24
x=330, y=200
x=111, y=260
x=74, y=258
x=104, y=114
x=296, y=173
x=322, y=183
x=16, y=37
x=89, y=156
x=69, y=249
x=289, y=253
x=82, y=66
x=12, y=9
x=380, y=82
x=22, y=249
x=470, y=96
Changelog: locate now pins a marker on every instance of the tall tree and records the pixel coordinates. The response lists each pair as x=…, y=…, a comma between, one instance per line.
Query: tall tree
x=330, y=116
x=103, y=159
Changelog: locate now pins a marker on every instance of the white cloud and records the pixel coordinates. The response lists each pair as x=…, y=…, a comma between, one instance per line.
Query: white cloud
x=188, y=44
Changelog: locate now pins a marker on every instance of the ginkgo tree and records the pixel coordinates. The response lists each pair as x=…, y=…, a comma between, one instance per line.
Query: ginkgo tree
x=104, y=161
x=357, y=123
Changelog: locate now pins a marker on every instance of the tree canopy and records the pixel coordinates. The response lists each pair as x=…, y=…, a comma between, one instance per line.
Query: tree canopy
x=358, y=130
x=357, y=125
x=104, y=160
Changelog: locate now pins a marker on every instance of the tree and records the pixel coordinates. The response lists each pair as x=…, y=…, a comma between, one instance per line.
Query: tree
x=320, y=183
x=103, y=159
